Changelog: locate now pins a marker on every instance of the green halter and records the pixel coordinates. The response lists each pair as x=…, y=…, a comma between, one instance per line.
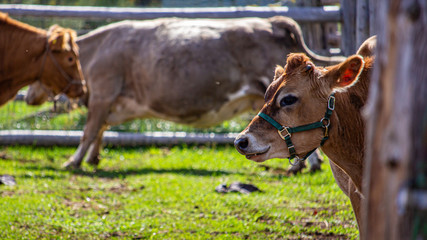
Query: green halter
x=285, y=132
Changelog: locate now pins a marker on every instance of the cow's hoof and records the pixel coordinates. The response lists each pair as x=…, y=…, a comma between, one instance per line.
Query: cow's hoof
x=315, y=167
x=94, y=161
x=70, y=164
x=295, y=169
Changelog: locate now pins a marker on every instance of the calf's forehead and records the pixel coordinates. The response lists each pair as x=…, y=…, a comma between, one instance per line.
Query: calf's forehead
x=299, y=75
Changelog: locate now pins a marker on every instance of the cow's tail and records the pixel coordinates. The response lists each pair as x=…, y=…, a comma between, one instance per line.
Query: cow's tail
x=316, y=57
x=294, y=29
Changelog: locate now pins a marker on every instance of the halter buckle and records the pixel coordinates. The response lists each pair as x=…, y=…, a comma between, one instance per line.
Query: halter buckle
x=288, y=134
x=331, y=103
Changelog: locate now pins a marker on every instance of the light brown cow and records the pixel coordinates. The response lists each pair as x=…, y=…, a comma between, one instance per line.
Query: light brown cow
x=300, y=95
x=29, y=54
x=198, y=72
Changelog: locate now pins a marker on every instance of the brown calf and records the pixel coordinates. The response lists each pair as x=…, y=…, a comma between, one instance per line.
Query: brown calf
x=298, y=96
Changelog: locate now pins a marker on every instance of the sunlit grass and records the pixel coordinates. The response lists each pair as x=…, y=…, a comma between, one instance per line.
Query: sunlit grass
x=166, y=193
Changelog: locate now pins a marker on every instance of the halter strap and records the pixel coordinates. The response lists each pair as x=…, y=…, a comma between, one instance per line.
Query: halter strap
x=286, y=132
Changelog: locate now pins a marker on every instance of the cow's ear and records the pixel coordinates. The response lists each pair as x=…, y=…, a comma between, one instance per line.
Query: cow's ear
x=279, y=71
x=59, y=39
x=345, y=74
x=269, y=93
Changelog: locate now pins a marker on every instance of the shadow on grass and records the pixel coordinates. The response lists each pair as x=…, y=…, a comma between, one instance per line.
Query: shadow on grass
x=37, y=175
x=143, y=171
x=122, y=173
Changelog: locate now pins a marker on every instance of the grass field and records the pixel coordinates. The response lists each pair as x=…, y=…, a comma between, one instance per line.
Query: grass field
x=159, y=192
x=166, y=193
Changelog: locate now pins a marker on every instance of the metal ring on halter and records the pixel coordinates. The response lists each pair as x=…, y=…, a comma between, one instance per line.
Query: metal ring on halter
x=328, y=122
x=296, y=162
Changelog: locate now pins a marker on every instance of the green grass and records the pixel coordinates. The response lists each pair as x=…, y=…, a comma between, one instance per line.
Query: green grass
x=166, y=193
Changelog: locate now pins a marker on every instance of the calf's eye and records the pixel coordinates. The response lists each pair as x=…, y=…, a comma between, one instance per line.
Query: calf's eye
x=288, y=100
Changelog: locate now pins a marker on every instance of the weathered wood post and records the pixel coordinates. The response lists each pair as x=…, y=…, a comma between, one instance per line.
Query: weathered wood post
x=395, y=179
x=362, y=21
x=314, y=34
x=348, y=27
x=372, y=13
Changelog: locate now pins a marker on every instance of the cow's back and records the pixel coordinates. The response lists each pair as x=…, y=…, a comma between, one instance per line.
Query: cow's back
x=183, y=70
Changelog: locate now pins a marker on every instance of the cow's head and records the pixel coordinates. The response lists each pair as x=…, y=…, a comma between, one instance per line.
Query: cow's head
x=61, y=71
x=297, y=96
x=37, y=94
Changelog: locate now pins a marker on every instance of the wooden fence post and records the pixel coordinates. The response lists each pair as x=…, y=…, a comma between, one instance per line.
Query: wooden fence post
x=314, y=34
x=395, y=185
x=372, y=12
x=362, y=22
x=348, y=27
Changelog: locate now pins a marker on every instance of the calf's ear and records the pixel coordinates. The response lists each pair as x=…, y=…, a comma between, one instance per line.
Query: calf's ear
x=279, y=71
x=345, y=74
x=271, y=89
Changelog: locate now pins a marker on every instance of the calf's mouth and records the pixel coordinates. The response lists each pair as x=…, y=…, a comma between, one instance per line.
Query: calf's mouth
x=258, y=156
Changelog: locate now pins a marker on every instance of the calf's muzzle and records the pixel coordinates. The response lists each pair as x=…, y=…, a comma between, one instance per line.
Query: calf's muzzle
x=241, y=143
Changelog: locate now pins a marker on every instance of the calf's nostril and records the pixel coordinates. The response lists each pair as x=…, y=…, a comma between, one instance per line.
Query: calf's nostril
x=241, y=143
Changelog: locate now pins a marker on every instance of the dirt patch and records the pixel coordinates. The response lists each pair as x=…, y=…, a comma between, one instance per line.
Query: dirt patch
x=117, y=189
x=330, y=211
x=236, y=234
x=7, y=193
x=320, y=235
x=307, y=223
x=78, y=207
x=115, y=234
x=86, y=204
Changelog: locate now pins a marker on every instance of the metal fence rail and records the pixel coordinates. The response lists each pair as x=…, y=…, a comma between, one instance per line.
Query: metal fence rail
x=300, y=14
x=121, y=139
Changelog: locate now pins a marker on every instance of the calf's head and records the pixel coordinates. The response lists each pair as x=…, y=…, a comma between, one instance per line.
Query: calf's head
x=61, y=70
x=297, y=96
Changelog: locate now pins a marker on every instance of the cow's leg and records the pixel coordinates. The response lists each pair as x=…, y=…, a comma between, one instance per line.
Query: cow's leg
x=297, y=168
x=97, y=115
x=95, y=147
x=315, y=161
x=349, y=188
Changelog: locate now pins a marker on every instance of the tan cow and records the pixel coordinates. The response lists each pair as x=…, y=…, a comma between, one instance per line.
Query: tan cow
x=316, y=105
x=198, y=72
x=29, y=54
